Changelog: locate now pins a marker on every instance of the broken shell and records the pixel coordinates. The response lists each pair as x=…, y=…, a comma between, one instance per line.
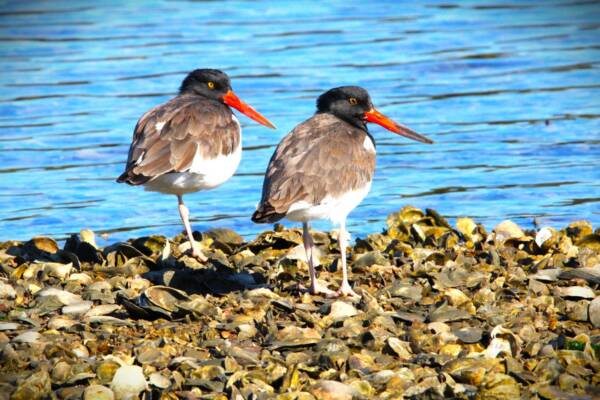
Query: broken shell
x=499, y=387
x=578, y=292
x=59, y=322
x=154, y=244
x=341, y=310
x=468, y=334
x=128, y=382
x=7, y=291
x=36, y=386
x=9, y=326
x=443, y=312
x=546, y=238
x=594, y=312
x=64, y=297
x=165, y=297
x=466, y=226
x=507, y=230
x=591, y=242
x=578, y=229
x=77, y=308
x=57, y=270
x=28, y=337
x=159, y=380
x=332, y=390
x=106, y=371
x=44, y=244
x=400, y=348
x=98, y=392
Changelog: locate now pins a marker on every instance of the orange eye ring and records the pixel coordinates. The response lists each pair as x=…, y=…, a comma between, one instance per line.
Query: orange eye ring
x=353, y=101
x=211, y=85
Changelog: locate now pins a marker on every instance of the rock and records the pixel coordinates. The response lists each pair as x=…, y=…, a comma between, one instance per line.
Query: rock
x=128, y=382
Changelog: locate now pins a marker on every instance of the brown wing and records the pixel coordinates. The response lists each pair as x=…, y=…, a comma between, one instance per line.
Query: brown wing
x=168, y=138
x=322, y=156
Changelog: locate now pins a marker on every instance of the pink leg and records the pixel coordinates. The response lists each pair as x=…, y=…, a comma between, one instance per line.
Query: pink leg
x=345, y=289
x=315, y=286
x=185, y=217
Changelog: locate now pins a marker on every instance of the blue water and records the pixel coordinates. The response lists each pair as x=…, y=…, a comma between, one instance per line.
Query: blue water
x=510, y=92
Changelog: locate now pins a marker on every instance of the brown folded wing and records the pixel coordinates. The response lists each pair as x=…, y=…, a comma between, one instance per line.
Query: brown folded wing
x=169, y=137
x=323, y=156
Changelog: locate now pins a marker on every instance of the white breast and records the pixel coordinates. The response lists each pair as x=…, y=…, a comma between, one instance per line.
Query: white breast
x=368, y=144
x=335, y=209
x=203, y=174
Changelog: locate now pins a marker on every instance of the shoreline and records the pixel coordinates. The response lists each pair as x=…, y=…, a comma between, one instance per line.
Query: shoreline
x=444, y=311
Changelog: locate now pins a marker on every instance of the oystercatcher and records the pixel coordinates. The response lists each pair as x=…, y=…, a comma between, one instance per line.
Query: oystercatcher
x=323, y=169
x=190, y=143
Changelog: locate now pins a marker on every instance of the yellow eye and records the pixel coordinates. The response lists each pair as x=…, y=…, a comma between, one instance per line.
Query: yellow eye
x=353, y=101
x=211, y=85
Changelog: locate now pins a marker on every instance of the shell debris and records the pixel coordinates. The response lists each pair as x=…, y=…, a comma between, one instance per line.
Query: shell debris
x=444, y=311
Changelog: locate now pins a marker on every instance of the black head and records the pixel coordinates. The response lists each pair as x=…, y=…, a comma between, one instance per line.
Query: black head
x=349, y=103
x=210, y=83
x=214, y=84
x=353, y=105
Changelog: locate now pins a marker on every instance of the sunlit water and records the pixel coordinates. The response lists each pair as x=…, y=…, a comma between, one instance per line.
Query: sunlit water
x=509, y=92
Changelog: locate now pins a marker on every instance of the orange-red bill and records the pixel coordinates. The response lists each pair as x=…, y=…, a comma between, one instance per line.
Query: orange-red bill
x=233, y=101
x=376, y=117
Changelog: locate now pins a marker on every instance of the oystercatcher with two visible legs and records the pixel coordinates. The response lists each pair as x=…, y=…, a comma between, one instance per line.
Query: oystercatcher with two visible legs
x=190, y=143
x=323, y=169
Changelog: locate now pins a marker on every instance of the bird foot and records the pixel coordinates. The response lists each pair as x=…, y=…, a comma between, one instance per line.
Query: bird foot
x=318, y=288
x=344, y=291
x=198, y=255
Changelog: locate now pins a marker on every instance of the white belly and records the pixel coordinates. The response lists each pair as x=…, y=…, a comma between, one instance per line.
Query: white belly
x=334, y=209
x=202, y=175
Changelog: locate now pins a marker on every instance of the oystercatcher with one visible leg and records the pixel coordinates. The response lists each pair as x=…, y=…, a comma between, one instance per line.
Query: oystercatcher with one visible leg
x=190, y=143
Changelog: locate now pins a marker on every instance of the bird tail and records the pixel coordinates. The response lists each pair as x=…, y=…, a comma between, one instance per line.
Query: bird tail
x=265, y=214
x=132, y=179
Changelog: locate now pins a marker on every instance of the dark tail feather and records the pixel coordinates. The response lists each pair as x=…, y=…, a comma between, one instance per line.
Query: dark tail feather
x=132, y=179
x=266, y=214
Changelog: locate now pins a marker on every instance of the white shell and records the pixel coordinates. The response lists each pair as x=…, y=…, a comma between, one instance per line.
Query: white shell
x=544, y=234
x=128, y=382
x=66, y=298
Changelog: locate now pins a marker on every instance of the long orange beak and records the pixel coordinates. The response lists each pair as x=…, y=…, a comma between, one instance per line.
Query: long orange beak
x=375, y=116
x=233, y=101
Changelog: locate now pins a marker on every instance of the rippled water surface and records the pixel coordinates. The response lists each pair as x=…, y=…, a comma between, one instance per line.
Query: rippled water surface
x=509, y=91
